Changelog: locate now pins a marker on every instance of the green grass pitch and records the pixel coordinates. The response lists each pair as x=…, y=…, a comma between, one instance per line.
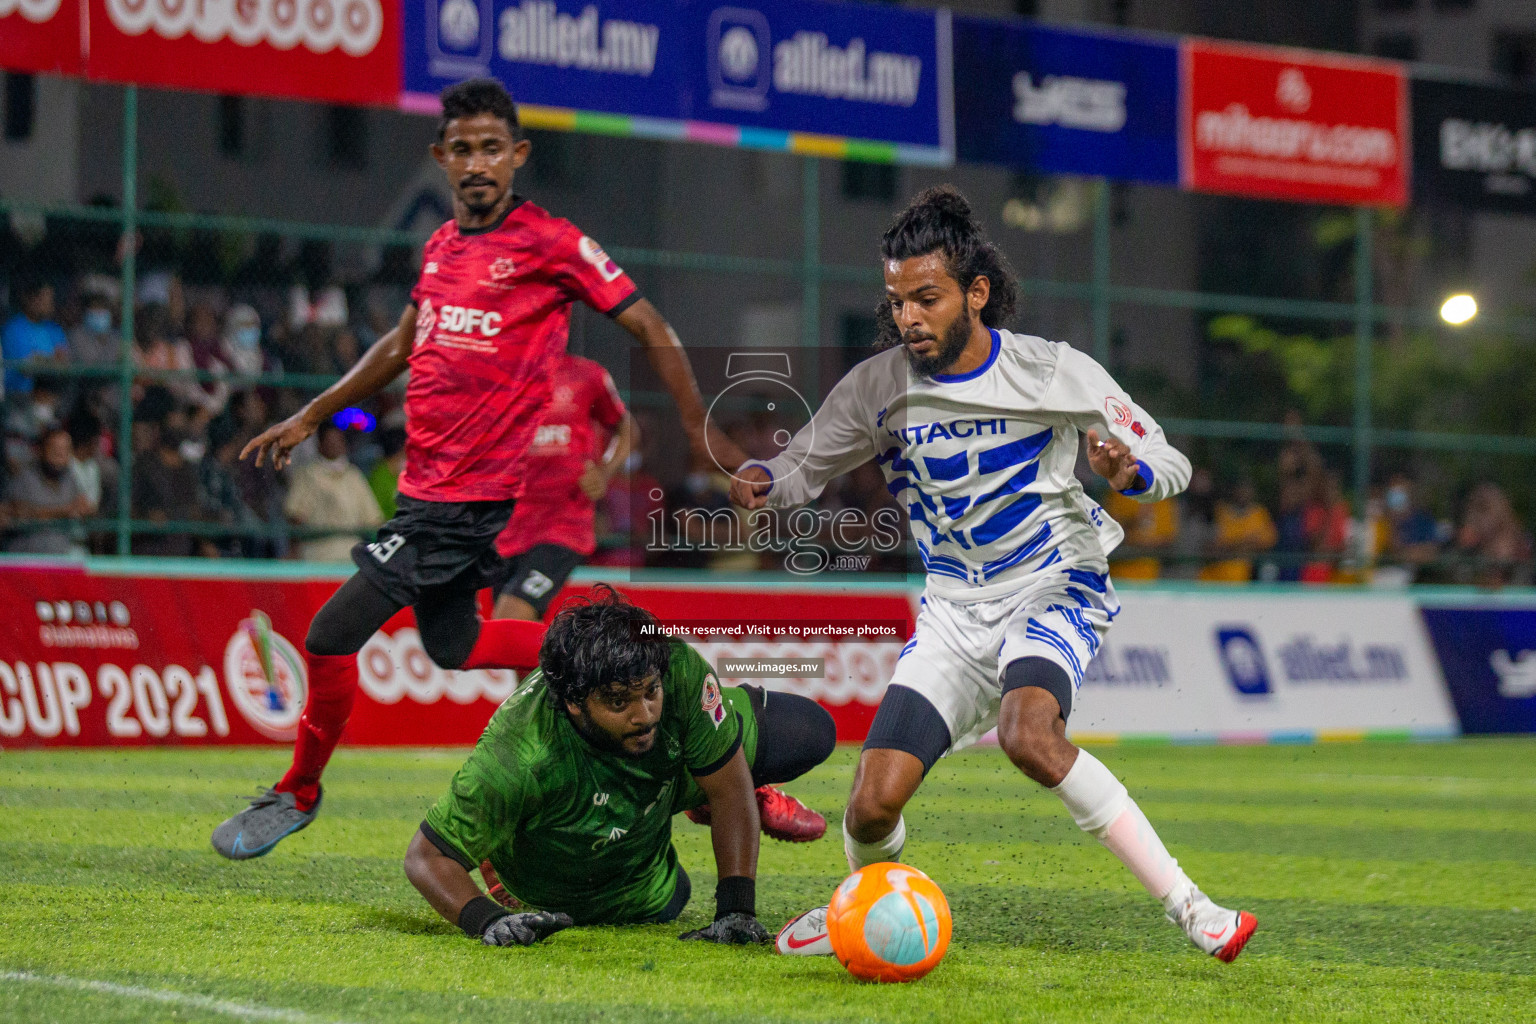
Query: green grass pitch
x=1392, y=882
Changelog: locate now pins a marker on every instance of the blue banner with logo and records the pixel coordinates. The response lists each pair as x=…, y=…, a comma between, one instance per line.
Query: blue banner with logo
x=732, y=74
x=1488, y=656
x=613, y=56
x=1060, y=102
x=853, y=70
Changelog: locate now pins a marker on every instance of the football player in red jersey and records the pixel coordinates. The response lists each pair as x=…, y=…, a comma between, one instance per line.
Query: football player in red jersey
x=488, y=317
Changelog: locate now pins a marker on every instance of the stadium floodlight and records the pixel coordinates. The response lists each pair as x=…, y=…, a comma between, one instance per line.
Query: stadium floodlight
x=1458, y=309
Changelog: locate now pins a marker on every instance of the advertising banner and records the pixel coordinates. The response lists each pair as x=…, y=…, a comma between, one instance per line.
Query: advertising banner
x=848, y=80
x=857, y=71
x=103, y=659
x=1252, y=667
x=1292, y=124
x=1474, y=145
x=40, y=36
x=1060, y=102
x=1489, y=657
x=619, y=56
x=335, y=51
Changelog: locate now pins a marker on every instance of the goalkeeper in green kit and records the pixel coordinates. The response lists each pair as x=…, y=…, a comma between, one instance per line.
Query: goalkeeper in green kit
x=570, y=793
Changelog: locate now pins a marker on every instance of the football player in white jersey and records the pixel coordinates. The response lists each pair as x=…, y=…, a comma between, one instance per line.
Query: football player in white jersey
x=977, y=432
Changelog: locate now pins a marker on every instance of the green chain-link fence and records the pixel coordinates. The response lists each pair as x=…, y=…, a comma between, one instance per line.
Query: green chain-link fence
x=154, y=290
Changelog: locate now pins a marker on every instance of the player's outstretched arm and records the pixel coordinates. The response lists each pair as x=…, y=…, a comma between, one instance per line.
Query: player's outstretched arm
x=666, y=354
x=445, y=884
x=735, y=835
x=369, y=375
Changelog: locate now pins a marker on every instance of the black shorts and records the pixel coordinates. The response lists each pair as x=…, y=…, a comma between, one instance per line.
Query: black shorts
x=431, y=543
x=537, y=574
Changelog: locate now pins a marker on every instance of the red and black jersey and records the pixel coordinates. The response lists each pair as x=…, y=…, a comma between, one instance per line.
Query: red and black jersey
x=493, y=313
x=584, y=409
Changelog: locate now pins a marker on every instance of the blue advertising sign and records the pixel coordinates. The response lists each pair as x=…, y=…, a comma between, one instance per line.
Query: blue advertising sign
x=1488, y=656
x=616, y=56
x=857, y=71
x=1060, y=102
x=863, y=80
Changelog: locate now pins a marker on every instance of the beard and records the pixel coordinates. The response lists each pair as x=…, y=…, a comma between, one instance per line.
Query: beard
x=604, y=740
x=950, y=345
x=479, y=207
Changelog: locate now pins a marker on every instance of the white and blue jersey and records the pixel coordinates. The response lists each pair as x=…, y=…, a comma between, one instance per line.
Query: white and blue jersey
x=1016, y=554
x=983, y=461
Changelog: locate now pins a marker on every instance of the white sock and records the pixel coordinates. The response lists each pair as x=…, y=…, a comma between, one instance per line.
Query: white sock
x=889, y=848
x=1100, y=805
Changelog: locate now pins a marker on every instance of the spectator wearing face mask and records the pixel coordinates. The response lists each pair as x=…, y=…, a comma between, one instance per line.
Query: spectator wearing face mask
x=47, y=490
x=240, y=344
x=1416, y=537
x=329, y=492
x=95, y=341
x=28, y=418
x=31, y=334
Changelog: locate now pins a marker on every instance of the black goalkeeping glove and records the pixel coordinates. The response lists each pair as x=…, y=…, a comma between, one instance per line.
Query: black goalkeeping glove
x=736, y=922
x=484, y=919
x=524, y=929
x=732, y=930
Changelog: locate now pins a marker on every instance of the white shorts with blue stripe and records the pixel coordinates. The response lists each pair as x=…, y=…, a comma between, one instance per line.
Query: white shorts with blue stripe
x=960, y=650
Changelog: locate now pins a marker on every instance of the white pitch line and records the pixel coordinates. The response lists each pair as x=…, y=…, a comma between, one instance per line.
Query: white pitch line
x=245, y=1011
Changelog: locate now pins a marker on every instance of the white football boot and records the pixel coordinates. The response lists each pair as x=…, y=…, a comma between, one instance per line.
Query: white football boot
x=1218, y=931
x=806, y=935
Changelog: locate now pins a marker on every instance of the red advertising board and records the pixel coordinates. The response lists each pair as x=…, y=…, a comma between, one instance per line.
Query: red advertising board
x=1292, y=124
x=102, y=659
x=338, y=51
x=41, y=35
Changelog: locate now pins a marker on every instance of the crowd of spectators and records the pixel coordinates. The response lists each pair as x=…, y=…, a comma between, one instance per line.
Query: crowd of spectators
x=1310, y=534
x=196, y=395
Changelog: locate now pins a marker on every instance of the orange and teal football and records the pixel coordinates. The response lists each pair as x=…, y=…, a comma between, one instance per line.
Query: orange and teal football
x=888, y=922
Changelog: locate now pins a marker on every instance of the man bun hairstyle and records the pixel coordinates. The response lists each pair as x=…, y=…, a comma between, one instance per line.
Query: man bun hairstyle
x=479, y=96
x=940, y=220
x=599, y=642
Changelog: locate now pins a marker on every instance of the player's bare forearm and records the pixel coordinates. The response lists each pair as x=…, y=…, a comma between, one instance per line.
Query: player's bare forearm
x=667, y=357
x=441, y=880
x=733, y=810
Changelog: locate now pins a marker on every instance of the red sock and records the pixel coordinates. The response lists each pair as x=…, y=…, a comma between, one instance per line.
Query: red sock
x=332, y=688
x=506, y=643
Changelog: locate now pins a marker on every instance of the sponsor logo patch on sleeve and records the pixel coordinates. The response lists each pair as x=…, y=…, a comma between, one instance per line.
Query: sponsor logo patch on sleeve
x=711, y=701
x=594, y=254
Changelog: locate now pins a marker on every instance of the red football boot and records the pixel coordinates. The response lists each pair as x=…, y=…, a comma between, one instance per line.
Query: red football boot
x=786, y=818
x=782, y=817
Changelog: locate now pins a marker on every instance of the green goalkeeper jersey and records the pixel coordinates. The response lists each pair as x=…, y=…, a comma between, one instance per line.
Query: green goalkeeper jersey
x=573, y=828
